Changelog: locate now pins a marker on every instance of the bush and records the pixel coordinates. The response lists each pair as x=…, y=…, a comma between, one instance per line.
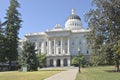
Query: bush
x=83, y=62
x=75, y=61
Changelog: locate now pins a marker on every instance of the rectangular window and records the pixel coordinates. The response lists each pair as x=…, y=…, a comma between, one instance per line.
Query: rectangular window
x=79, y=41
x=59, y=43
x=66, y=43
x=65, y=52
x=52, y=52
x=73, y=43
x=46, y=43
x=39, y=44
x=87, y=51
x=59, y=52
x=52, y=43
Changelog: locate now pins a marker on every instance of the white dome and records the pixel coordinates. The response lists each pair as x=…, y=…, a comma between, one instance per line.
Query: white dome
x=73, y=22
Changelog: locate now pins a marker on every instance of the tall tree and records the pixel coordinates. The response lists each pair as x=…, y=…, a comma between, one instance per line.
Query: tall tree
x=104, y=22
x=2, y=42
x=13, y=24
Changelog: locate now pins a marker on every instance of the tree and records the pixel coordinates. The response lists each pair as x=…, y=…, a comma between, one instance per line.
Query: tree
x=104, y=23
x=2, y=43
x=75, y=61
x=108, y=54
x=28, y=56
x=116, y=48
x=42, y=60
x=13, y=24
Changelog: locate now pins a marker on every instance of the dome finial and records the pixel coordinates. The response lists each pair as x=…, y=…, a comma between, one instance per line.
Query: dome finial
x=73, y=11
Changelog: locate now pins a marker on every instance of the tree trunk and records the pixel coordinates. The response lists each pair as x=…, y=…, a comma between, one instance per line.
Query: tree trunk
x=117, y=65
x=9, y=65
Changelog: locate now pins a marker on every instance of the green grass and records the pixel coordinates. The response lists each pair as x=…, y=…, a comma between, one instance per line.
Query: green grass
x=36, y=75
x=98, y=73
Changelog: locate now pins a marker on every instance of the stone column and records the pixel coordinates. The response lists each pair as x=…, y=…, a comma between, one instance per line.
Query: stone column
x=54, y=46
x=54, y=62
x=48, y=62
x=44, y=51
x=68, y=51
x=61, y=46
x=61, y=62
x=49, y=46
x=68, y=61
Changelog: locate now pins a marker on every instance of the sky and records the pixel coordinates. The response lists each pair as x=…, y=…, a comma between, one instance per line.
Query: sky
x=40, y=15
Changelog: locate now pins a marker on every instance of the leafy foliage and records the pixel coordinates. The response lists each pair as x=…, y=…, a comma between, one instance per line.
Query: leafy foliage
x=28, y=56
x=75, y=61
x=42, y=60
x=2, y=43
x=104, y=22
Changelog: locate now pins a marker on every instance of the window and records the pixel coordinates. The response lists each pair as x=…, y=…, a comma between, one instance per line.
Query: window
x=59, y=43
x=73, y=43
x=87, y=51
x=39, y=44
x=52, y=52
x=52, y=43
x=66, y=52
x=46, y=43
x=59, y=52
x=66, y=43
x=75, y=24
x=79, y=42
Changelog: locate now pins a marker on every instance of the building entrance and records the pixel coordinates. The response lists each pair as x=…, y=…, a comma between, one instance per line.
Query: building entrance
x=58, y=62
x=65, y=62
x=51, y=62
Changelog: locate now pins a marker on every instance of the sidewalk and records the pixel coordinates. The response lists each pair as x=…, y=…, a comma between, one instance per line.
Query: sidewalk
x=65, y=75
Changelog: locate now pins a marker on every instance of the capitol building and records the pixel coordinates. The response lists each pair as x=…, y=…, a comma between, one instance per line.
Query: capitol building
x=60, y=44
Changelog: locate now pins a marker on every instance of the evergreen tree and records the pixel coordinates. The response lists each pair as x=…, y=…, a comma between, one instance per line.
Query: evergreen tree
x=13, y=24
x=28, y=56
x=104, y=22
x=42, y=59
x=2, y=42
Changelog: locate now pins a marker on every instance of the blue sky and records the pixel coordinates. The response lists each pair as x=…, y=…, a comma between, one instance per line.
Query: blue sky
x=40, y=15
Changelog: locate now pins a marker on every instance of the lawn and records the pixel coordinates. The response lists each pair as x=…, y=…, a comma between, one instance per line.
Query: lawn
x=36, y=75
x=98, y=73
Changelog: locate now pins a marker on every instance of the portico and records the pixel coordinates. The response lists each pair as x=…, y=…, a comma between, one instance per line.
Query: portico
x=58, y=49
x=58, y=61
x=58, y=46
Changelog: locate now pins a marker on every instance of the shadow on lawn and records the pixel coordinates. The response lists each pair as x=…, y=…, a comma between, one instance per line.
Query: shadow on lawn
x=111, y=71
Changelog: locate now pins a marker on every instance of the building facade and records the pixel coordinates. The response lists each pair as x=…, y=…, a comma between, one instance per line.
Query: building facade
x=60, y=44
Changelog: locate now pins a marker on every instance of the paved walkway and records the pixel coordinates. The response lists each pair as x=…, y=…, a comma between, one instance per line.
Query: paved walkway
x=70, y=74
